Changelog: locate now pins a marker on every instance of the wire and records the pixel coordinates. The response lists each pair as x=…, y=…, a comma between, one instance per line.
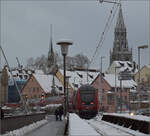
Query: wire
x=106, y=28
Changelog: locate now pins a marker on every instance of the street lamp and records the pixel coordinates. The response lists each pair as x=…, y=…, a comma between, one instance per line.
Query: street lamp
x=67, y=81
x=139, y=78
x=100, y=81
x=64, y=50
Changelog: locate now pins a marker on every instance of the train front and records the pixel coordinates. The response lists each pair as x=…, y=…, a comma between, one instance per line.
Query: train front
x=87, y=101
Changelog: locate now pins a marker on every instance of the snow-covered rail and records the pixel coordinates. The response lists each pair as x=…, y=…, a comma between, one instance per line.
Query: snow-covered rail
x=102, y=133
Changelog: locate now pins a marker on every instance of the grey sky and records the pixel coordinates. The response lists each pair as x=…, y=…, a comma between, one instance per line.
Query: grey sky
x=26, y=28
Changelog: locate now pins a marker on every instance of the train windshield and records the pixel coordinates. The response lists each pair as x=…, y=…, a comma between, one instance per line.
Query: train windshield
x=87, y=97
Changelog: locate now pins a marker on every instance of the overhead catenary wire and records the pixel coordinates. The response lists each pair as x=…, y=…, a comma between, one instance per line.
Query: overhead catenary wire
x=106, y=28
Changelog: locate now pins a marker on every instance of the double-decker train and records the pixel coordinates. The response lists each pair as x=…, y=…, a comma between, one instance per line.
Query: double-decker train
x=85, y=101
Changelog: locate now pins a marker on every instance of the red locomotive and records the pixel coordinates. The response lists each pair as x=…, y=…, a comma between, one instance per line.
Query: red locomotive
x=85, y=101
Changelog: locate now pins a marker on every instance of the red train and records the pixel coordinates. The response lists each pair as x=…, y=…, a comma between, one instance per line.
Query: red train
x=85, y=101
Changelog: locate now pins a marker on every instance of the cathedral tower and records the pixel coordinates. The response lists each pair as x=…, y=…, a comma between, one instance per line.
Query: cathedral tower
x=120, y=50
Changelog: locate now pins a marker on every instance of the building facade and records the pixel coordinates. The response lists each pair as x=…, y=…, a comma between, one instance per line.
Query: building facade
x=111, y=96
x=3, y=87
x=144, y=74
x=121, y=51
x=41, y=87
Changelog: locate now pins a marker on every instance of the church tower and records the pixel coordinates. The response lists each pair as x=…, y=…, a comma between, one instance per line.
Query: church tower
x=51, y=62
x=120, y=50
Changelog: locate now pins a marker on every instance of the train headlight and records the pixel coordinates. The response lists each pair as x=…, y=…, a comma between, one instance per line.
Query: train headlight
x=131, y=114
x=83, y=102
x=91, y=102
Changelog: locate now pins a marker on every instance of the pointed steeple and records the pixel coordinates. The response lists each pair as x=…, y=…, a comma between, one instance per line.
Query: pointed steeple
x=120, y=50
x=51, y=62
x=120, y=25
x=51, y=43
x=51, y=57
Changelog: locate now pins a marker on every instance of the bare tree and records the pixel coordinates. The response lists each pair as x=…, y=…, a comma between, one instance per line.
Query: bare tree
x=41, y=62
x=81, y=61
x=30, y=63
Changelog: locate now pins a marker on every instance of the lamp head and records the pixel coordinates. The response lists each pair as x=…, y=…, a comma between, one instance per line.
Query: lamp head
x=64, y=46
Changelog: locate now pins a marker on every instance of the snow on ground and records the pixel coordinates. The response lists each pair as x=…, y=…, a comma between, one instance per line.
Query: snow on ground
x=79, y=127
x=136, y=117
x=110, y=129
x=26, y=129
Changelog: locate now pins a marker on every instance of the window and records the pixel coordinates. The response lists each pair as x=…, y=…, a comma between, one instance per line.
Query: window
x=103, y=90
x=37, y=89
x=33, y=89
x=110, y=99
x=125, y=98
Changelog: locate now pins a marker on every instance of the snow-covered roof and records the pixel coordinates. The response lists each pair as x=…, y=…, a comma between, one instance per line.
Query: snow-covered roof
x=46, y=82
x=110, y=78
x=77, y=78
x=133, y=90
x=20, y=74
x=124, y=66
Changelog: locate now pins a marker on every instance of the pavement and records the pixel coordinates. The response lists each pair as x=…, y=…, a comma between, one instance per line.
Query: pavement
x=52, y=128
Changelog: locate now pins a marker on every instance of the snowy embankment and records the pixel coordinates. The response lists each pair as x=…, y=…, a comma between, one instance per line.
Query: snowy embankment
x=79, y=127
x=26, y=129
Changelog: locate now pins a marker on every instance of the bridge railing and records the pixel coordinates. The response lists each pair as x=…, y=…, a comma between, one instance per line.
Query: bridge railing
x=14, y=122
x=140, y=125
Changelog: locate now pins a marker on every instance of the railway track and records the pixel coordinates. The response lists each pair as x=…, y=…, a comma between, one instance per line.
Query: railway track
x=102, y=133
x=108, y=129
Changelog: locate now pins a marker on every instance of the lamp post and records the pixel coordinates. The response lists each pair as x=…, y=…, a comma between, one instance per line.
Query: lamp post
x=67, y=81
x=64, y=50
x=100, y=82
x=139, y=76
x=116, y=100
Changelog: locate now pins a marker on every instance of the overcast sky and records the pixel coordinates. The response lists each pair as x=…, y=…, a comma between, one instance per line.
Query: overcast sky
x=25, y=28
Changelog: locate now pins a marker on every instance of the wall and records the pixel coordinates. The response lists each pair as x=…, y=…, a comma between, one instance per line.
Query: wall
x=15, y=122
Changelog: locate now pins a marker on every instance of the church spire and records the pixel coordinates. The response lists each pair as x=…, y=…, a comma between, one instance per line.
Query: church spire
x=120, y=50
x=51, y=56
x=51, y=43
x=120, y=25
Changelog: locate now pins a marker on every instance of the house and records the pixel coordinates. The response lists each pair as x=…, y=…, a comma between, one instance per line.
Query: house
x=144, y=86
x=111, y=98
x=41, y=87
x=20, y=76
x=144, y=74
